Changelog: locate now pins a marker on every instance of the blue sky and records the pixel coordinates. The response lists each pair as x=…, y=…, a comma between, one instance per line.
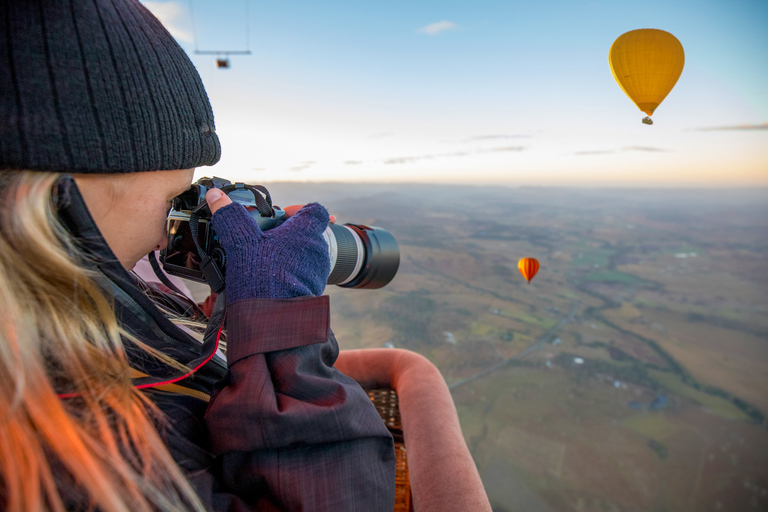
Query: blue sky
x=484, y=92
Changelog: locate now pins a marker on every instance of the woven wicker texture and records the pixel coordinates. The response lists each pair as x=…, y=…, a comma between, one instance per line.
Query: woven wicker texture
x=386, y=403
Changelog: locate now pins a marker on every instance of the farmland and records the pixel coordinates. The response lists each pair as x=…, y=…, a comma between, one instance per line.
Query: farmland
x=661, y=294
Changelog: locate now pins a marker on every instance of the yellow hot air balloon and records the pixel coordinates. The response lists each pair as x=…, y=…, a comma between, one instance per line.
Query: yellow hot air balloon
x=528, y=267
x=646, y=63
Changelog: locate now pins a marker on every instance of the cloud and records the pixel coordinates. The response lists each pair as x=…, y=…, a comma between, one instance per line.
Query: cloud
x=648, y=149
x=493, y=137
x=302, y=166
x=745, y=127
x=170, y=15
x=436, y=28
x=380, y=135
x=643, y=148
x=353, y=162
x=402, y=160
x=411, y=159
x=508, y=148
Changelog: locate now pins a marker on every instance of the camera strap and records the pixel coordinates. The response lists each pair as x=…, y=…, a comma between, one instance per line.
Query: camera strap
x=160, y=274
x=211, y=270
x=263, y=202
x=208, y=265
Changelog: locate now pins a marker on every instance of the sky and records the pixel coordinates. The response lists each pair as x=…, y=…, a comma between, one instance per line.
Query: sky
x=485, y=92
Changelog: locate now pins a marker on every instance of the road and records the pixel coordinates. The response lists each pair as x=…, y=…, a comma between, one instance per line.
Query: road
x=543, y=340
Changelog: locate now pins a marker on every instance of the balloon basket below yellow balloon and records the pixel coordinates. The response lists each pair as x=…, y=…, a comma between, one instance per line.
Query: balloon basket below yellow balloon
x=647, y=120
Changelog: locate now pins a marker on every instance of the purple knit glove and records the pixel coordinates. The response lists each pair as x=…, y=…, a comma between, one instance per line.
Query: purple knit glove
x=288, y=261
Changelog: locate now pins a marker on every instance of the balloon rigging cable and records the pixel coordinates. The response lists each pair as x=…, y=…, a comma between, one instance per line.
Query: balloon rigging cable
x=222, y=56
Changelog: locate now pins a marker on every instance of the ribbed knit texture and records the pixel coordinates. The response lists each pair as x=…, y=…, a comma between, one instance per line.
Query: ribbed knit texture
x=98, y=86
x=288, y=261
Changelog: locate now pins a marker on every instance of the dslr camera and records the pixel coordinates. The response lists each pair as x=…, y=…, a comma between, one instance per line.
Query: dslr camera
x=361, y=256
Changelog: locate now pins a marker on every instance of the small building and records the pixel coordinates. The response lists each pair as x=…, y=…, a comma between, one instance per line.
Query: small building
x=658, y=403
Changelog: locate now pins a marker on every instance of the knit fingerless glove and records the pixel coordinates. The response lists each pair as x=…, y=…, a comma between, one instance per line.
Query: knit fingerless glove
x=288, y=261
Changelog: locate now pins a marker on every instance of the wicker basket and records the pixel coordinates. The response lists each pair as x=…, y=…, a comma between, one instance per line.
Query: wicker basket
x=386, y=404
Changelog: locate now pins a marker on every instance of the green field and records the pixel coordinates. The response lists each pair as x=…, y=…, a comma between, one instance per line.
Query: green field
x=714, y=404
x=613, y=276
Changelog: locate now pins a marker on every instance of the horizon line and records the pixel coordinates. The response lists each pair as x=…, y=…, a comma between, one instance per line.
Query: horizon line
x=706, y=186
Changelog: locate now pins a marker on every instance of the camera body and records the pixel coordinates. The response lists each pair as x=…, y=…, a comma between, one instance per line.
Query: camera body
x=361, y=256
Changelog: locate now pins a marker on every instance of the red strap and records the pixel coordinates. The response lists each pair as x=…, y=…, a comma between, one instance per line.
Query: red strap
x=169, y=381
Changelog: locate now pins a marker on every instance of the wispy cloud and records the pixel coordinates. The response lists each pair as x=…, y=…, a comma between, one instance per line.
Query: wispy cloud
x=411, y=159
x=648, y=149
x=436, y=28
x=404, y=159
x=172, y=15
x=507, y=148
x=496, y=137
x=643, y=148
x=746, y=127
x=353, y=162
x=302, y=166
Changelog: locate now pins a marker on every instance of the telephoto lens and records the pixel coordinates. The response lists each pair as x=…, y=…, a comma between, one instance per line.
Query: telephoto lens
x=361, y=256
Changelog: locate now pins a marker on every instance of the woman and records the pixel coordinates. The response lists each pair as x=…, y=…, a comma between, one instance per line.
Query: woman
x=105, y=402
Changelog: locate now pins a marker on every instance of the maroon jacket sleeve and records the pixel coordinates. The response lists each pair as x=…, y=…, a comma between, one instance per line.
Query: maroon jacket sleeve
x=289, y=431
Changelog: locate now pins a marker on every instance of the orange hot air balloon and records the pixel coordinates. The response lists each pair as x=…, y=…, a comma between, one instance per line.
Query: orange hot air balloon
x=528, y=267
x=646, y=63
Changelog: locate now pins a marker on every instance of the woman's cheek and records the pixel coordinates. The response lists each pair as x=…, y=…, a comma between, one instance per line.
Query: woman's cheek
x=163, y=243
x=160, y=230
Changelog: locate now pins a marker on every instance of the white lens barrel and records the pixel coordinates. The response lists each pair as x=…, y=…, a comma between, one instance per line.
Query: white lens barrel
x=333, y=250
x=346, y=251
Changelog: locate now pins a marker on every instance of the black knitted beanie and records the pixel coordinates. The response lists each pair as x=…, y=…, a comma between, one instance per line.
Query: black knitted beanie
x=98, y=86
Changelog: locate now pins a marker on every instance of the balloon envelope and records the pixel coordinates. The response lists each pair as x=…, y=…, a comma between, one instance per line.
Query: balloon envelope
x=528, y=267
x=646, y=63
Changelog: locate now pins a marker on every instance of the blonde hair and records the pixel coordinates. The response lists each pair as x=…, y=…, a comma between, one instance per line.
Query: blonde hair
x=58, y=333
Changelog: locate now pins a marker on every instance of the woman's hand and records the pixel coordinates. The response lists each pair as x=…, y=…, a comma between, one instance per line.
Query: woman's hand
x=288, y=261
